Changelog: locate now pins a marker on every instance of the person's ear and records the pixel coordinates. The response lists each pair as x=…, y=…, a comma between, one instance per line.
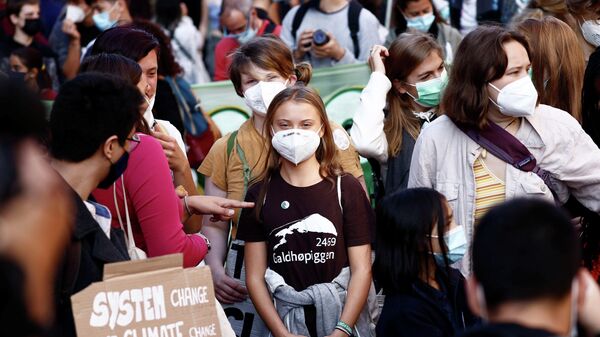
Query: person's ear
x=471, y=286
x=398, y=86
x=292, y=80
x=110, y=146
x=253, y=19
x=34, y=73
x=120, y=9
x=14, y=19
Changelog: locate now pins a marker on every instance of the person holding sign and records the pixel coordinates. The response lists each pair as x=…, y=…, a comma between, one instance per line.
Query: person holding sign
x=309, y=235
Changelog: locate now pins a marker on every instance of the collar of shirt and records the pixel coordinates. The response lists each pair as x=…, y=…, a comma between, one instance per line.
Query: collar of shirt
x=101, y=214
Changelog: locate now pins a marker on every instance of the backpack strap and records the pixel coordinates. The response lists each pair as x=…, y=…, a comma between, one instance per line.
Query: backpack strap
x=507, y=148
x=241, y=154
x=353, y=21
x=339, y=192
x=299, y=16
x=230, y=143
x=353, y=24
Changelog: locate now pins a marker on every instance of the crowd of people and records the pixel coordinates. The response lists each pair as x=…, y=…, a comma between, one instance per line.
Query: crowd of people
x=479, y=120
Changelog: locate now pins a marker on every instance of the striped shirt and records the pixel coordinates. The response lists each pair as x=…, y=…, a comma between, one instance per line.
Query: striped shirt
x=489, y=189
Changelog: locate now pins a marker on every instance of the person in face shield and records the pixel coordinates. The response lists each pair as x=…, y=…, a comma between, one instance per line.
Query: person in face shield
x=527, y=279
x=495, y=142
x=241, y=22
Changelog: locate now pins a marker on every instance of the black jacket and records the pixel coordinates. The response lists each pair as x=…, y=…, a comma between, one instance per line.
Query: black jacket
x=76, y=273
x=506, y=330
x=425, y=311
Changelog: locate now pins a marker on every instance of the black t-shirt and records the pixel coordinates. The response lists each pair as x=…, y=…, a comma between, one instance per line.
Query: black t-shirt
x=307, y=233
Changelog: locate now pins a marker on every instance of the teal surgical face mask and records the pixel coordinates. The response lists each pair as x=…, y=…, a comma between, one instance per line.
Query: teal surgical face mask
x=421, y=23
x=429, y=92
x=456, y=242
x=102, y=20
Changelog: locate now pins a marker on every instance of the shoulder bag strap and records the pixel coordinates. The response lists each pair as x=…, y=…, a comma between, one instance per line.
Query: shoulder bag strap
x=507, y=148
x=129, y=232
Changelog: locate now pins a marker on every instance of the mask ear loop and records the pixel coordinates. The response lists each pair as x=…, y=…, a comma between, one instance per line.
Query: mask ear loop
x=491, y=100
x=481, y=302
x=574, y=300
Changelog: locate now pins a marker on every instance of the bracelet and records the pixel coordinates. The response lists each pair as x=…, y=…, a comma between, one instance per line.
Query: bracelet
x=344, y=327
x=187, y=208
x=342, y=330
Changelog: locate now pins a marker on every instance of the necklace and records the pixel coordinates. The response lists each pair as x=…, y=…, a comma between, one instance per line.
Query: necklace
x=509, y=124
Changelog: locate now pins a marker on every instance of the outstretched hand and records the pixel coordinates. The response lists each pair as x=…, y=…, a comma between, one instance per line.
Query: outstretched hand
x=221, y=209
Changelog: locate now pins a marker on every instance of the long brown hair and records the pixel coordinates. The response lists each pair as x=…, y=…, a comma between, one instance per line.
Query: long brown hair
x=557, y=61
x=326, y=152
x=480, y=59
x=270, y=53
x=406, y=53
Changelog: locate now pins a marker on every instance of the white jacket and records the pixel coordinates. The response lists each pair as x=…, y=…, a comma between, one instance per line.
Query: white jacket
x=443, y=159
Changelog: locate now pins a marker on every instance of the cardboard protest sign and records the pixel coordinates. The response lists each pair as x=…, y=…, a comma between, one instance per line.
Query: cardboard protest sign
x=243, y=317
x=148, y=298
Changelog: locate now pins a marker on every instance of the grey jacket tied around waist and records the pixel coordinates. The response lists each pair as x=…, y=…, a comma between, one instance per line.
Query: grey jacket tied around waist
x=328, y=298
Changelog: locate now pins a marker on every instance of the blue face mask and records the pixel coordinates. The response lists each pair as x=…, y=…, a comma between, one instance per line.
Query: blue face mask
x=456, y=242
x=102, y=20
x=420, y=23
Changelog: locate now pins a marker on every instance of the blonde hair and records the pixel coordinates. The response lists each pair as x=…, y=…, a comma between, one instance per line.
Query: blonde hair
x=558, y=63
x=406, y=53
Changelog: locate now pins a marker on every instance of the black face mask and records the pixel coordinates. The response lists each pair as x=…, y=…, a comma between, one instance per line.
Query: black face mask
x=32, y=26
x=116, y=170
x=16, y=76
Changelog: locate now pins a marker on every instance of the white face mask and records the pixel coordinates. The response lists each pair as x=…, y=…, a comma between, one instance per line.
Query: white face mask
x=259, y=96
x=148, y=116
x=75, y=14
x=591, y=32
x=517, y=99
x=296, y=145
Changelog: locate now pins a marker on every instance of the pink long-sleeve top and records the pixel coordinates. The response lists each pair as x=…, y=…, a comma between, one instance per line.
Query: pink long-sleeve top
x=154, y=208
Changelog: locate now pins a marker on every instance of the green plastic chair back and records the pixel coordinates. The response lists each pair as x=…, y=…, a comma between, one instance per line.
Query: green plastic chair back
x=343, y=103
x=228, y=118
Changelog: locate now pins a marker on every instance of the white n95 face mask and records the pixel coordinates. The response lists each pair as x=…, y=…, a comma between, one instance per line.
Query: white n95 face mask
x=296, y=145
x=590, y=30
x=74, y=14
x=259, y=96
x=517, y=99
x=148, y=115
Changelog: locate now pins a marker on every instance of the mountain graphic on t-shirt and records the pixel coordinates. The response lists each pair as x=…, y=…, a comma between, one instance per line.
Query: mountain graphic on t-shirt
x=315, y=223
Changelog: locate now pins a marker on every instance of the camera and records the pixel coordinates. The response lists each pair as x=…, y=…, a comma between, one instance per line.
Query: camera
x=320, y=37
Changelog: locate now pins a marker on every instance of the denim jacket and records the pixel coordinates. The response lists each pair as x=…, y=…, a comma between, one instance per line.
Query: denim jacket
x=443, y=159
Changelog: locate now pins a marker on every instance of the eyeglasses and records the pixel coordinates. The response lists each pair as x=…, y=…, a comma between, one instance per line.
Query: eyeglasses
x=134, y=141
